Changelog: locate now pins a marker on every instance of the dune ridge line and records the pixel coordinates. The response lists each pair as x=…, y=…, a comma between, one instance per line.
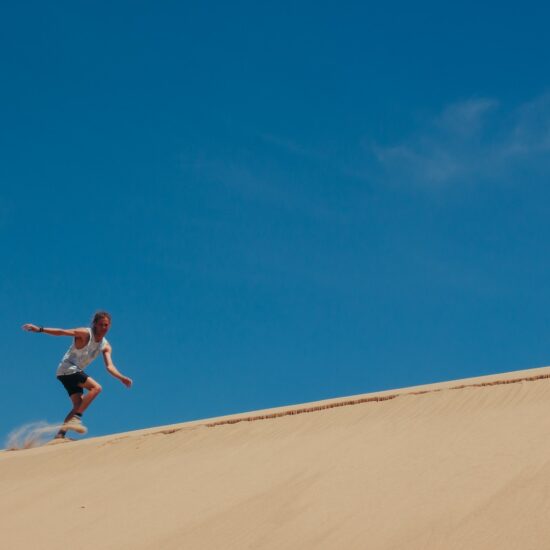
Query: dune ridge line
x=373, y=399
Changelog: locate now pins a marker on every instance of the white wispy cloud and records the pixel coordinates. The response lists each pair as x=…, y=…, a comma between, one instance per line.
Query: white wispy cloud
x=531, y=129
x=470, y=140
x=262, y=181
x=465, y=119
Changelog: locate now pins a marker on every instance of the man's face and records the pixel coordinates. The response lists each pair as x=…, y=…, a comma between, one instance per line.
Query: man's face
x=102, y=326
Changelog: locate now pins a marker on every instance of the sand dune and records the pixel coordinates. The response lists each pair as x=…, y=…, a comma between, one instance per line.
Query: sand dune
x=463, y=464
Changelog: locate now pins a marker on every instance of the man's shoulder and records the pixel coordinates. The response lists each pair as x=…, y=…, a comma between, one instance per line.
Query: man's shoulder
x=83, y=334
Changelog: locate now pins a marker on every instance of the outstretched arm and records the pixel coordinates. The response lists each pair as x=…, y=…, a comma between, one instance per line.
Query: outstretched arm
x=75, y=332
x=113, y=371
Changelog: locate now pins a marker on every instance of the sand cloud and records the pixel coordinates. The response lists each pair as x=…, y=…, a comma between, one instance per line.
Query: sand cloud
x=33, y=434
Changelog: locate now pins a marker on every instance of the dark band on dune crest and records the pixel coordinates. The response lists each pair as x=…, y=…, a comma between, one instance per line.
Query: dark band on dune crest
x=373, y=399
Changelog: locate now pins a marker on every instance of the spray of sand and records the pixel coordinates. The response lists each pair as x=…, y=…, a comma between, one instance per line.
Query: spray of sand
x=33, y=434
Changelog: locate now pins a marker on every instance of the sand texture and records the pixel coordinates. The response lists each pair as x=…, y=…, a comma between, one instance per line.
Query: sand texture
x=463, y=464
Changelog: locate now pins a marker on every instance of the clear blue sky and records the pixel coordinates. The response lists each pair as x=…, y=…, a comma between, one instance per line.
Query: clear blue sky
x=278, y=202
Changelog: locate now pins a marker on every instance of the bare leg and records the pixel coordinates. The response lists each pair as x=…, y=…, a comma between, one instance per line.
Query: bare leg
x=94, y=389
x=81, y=402
x=76, y=398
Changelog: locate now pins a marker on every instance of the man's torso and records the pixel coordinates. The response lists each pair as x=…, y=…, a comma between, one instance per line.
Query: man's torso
x=76, y=359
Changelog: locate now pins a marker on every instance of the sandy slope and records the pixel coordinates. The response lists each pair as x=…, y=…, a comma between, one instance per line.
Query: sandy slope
x=420, y=468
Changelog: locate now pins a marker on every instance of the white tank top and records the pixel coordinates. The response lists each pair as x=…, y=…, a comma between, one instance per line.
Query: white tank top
x=76, y=360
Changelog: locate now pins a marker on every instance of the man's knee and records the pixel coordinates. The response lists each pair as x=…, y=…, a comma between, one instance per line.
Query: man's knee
x=96, y=389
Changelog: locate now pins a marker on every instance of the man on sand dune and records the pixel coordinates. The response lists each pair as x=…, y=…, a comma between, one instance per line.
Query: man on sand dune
x=88, y=342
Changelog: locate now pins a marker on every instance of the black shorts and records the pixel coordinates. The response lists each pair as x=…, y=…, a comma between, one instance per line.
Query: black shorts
x=71, y=381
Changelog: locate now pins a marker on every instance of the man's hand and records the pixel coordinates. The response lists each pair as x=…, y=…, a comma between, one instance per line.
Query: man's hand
x=127, y=381
x=30, y=328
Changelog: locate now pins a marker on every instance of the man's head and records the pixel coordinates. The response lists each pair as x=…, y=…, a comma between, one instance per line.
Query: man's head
x=101, y=323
